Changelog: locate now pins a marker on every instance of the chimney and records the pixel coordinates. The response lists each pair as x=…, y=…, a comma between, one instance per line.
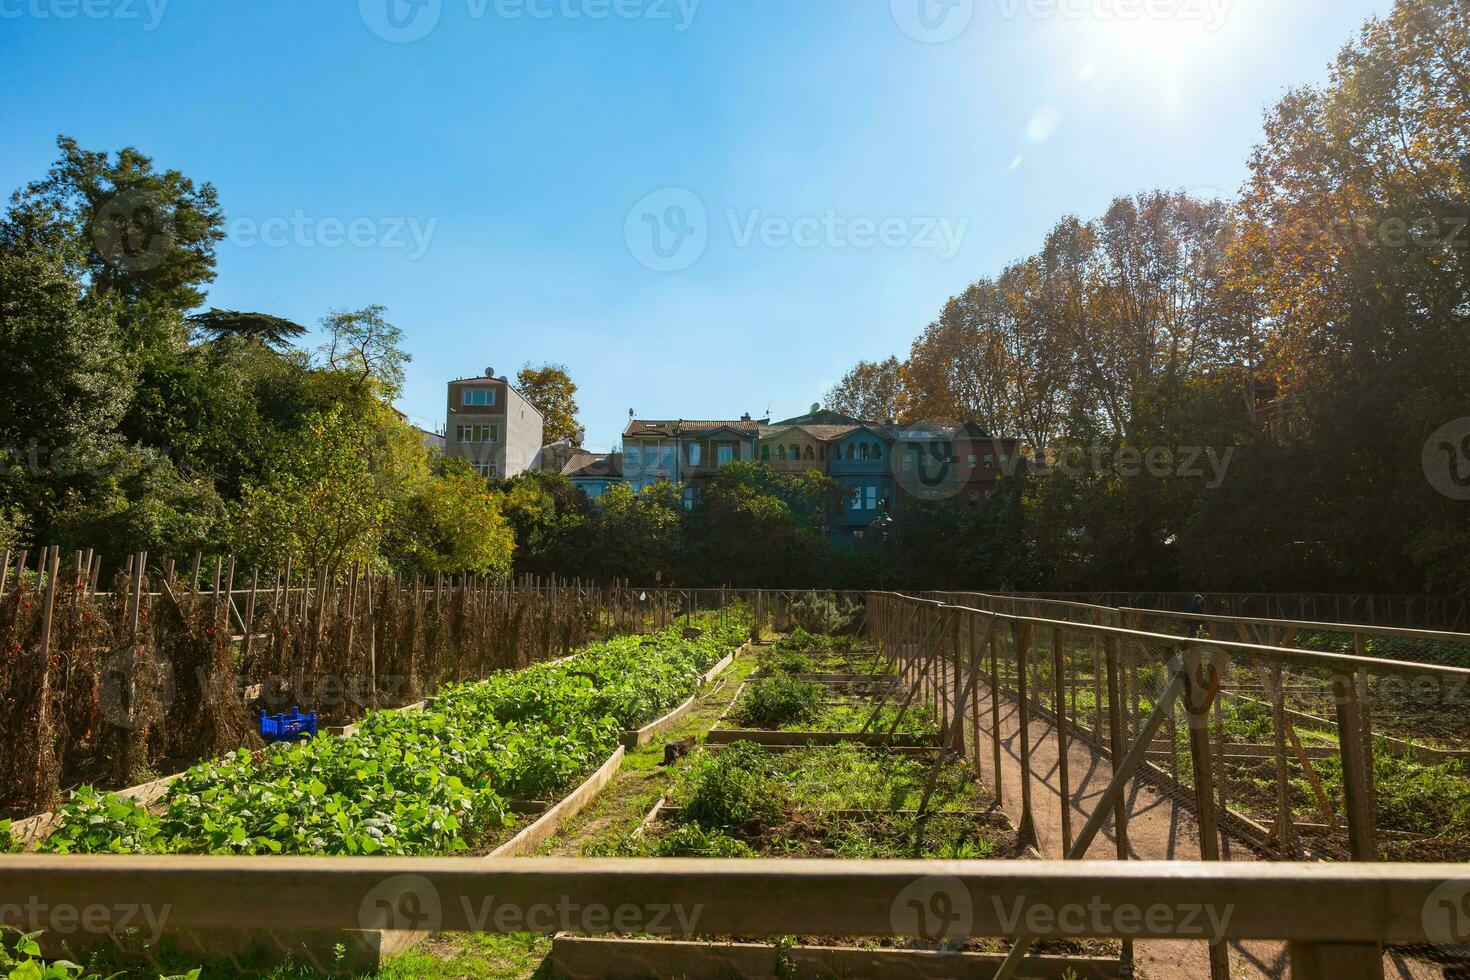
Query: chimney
x=745, y=417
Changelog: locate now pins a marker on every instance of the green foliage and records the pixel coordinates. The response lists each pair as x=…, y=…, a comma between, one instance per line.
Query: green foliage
x=143, y=236
x=687, y=840
x=730, y=789
x=824, y=613
x=319, y=504
x=779, y=702
x=450, y=521
x=366, y=350
x=551, y=389
x=273, y=331
x=405, y=784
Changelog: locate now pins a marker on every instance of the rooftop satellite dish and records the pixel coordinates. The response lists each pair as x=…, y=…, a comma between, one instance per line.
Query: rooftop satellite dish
x=489, y=372
x=816, y=407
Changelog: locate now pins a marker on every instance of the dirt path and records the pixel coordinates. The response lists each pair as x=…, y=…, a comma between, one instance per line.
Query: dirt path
x=1159, y=828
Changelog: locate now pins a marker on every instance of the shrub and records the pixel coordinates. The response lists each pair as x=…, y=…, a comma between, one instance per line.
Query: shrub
x=780, y=701
x=824, y=613
x=731, y=789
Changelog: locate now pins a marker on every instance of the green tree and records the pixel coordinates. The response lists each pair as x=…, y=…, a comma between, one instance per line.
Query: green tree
x=135, y=234
x=551, y=389
x=551, y=519
x=451, y=522
x=320, y=504
x=638, y=536
x=273, y=331
x=366, y=350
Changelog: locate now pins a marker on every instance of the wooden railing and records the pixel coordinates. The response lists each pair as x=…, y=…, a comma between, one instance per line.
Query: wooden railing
x=1335, y=917
x=1126, y=692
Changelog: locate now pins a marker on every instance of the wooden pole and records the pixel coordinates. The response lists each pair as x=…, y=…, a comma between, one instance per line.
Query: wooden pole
x=1201, y=687
x=1063, y=776
x=1021, y=633
x=1362, y=824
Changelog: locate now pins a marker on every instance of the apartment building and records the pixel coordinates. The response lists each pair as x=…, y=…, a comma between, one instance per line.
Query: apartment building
x=493, y=426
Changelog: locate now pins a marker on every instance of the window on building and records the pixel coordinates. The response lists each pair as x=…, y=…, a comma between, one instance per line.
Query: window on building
x=822, y=453
x=781, y=452
x=810, y=453
x=872, y=497
x=795, y=451
x=632, y=458
x=694, y=453
x=478, y=398
x=487, y=470
x=974, y=461
x=877, y=450
x=851, y=451
x=863, y=451
x=974, y=498
x=668, y=457
x=688, y=498
x=766, y=452
x=477, y=433
x=857, y=498
x=724, y=453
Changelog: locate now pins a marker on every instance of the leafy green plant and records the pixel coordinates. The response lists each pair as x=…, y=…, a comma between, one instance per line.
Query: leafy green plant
x=824, y=614
x=407, y=784
x=731, y=789
x=779, y=701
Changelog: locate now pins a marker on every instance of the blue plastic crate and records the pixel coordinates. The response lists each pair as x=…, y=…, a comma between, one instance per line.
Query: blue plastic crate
x=294, y=727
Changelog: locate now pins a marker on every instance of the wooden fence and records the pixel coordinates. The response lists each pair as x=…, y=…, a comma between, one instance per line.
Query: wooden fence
x=1159, y=708
x=1335, y=917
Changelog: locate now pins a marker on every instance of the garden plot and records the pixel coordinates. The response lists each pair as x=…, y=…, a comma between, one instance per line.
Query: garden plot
x=791, y=711
x=462, y=776
x=822, y=802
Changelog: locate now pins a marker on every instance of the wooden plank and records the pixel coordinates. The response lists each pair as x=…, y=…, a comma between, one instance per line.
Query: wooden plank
x=603, y=957
x=726, y=736
x=1357, y=762
x=1336, y=961
x=1326, y=902
x=634, y=740
x=546, y=827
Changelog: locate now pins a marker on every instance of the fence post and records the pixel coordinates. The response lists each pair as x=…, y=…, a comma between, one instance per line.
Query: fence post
x=1201, y=687
x=1022, y=634
x=1059, y=683
x=995, y=709
x=1356, y=764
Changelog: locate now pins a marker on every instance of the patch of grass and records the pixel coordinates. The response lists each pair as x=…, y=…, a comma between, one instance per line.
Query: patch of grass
x=685, y=840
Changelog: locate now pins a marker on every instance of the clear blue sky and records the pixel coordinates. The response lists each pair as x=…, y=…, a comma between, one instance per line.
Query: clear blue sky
x=828, y=144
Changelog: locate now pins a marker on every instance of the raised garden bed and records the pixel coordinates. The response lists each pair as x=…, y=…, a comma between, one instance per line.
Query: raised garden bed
x=844, y=802
x=790, y=711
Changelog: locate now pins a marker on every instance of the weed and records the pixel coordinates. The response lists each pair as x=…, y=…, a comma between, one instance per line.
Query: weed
x=780, y=701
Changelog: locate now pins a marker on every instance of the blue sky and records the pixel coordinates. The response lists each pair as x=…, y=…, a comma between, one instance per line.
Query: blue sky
x=821, y=175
